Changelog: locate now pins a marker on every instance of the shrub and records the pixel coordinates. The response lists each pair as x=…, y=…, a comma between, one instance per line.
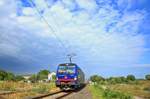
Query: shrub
x=42, y=74
x=109, y=94
x=131, y=78
x=147, y=77
x=96, y=78
x=3, y=75
x=33, y=78
x=19, y=78
x=147, y=89
x=115, y=80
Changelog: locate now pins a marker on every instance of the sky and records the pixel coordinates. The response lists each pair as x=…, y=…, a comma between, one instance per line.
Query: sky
x=109, y=37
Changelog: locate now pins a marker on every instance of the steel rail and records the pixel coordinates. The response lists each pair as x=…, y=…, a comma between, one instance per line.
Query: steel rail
x=8, y=92
x=46, y=95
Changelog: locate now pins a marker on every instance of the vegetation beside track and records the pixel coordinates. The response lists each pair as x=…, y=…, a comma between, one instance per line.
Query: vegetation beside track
x=98, y=92
x=141, y=88
x=26, y=89
x=120, y=87
x=36, y=84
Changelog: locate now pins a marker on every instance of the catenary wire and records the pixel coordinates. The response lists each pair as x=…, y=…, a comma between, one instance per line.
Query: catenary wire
x=50, y=27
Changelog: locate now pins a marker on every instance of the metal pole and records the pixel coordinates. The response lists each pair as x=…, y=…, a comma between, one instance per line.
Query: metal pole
x=70, y=59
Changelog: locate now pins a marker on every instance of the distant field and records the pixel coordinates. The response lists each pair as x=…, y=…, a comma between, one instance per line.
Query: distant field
x=27, y=89
x=139, y=89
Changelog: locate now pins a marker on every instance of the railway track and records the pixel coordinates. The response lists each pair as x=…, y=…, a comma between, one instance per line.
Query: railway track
x=11, y=92
x=54, y=95
x=6, y=93
x=58, y=94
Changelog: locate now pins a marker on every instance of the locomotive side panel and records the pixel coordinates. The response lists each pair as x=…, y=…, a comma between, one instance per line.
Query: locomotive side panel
x=81, y=77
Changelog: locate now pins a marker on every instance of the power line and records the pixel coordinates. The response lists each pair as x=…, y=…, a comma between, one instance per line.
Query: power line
x=57, y=25
x=69, y=55
x=50, y=27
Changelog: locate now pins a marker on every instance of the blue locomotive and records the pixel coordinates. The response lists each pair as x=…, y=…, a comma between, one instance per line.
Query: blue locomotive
x=69, y=75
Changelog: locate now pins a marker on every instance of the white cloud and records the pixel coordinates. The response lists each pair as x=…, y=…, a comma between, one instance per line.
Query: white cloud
x=29, y=11
x=1, y=3
x=86, y=32
x=89, y=5
x=41, y=4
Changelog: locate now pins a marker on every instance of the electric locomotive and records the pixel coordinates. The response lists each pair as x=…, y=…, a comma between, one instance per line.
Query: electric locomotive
x=69, y=75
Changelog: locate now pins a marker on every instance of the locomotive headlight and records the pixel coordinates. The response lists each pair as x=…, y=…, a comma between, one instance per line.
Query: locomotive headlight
x=75, y=78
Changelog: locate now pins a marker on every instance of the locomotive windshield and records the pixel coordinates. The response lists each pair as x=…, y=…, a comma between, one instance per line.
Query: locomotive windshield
x=66, y=69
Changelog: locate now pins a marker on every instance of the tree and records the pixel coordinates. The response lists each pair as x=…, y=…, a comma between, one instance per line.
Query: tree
x=123, y=79
x=19, y=78
x=3, y=74
x=54, y=77
x=9, y=76
x=33, y=78
x=131, y=78
x=43, y=74
x=6, y=75
x=112, y=80
x=147, y=77
x=96, y=78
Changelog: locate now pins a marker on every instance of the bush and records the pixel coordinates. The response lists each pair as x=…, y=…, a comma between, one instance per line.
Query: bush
x=96, y=78
x=100, y=93
x=3, y=75
x=115, y=80
x=42, y=74
x=33, y=78
x=7, y=76
x=147, y=89
x=147, y=77
x=109, y=94
x=19, y=78
x=131, y=78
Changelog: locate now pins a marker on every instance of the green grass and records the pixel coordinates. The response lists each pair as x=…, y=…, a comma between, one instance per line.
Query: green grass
x=96, y=92
x=99, y=93
x=139, y=88
x=109, y=94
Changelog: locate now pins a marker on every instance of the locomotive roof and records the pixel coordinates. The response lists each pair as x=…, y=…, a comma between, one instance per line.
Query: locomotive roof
x=66, y=64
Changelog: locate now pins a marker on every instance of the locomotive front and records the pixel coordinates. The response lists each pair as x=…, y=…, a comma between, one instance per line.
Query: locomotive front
x=66, y=76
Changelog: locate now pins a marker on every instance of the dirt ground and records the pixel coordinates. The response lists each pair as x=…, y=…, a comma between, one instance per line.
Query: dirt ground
x=82, y=94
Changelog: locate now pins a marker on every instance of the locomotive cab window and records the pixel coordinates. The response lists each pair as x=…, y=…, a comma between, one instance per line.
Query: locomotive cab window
x=66, y=69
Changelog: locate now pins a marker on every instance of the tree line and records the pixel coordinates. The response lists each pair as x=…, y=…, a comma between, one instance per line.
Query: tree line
x=8, y=76
x=113, y=80
x=41, y=75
